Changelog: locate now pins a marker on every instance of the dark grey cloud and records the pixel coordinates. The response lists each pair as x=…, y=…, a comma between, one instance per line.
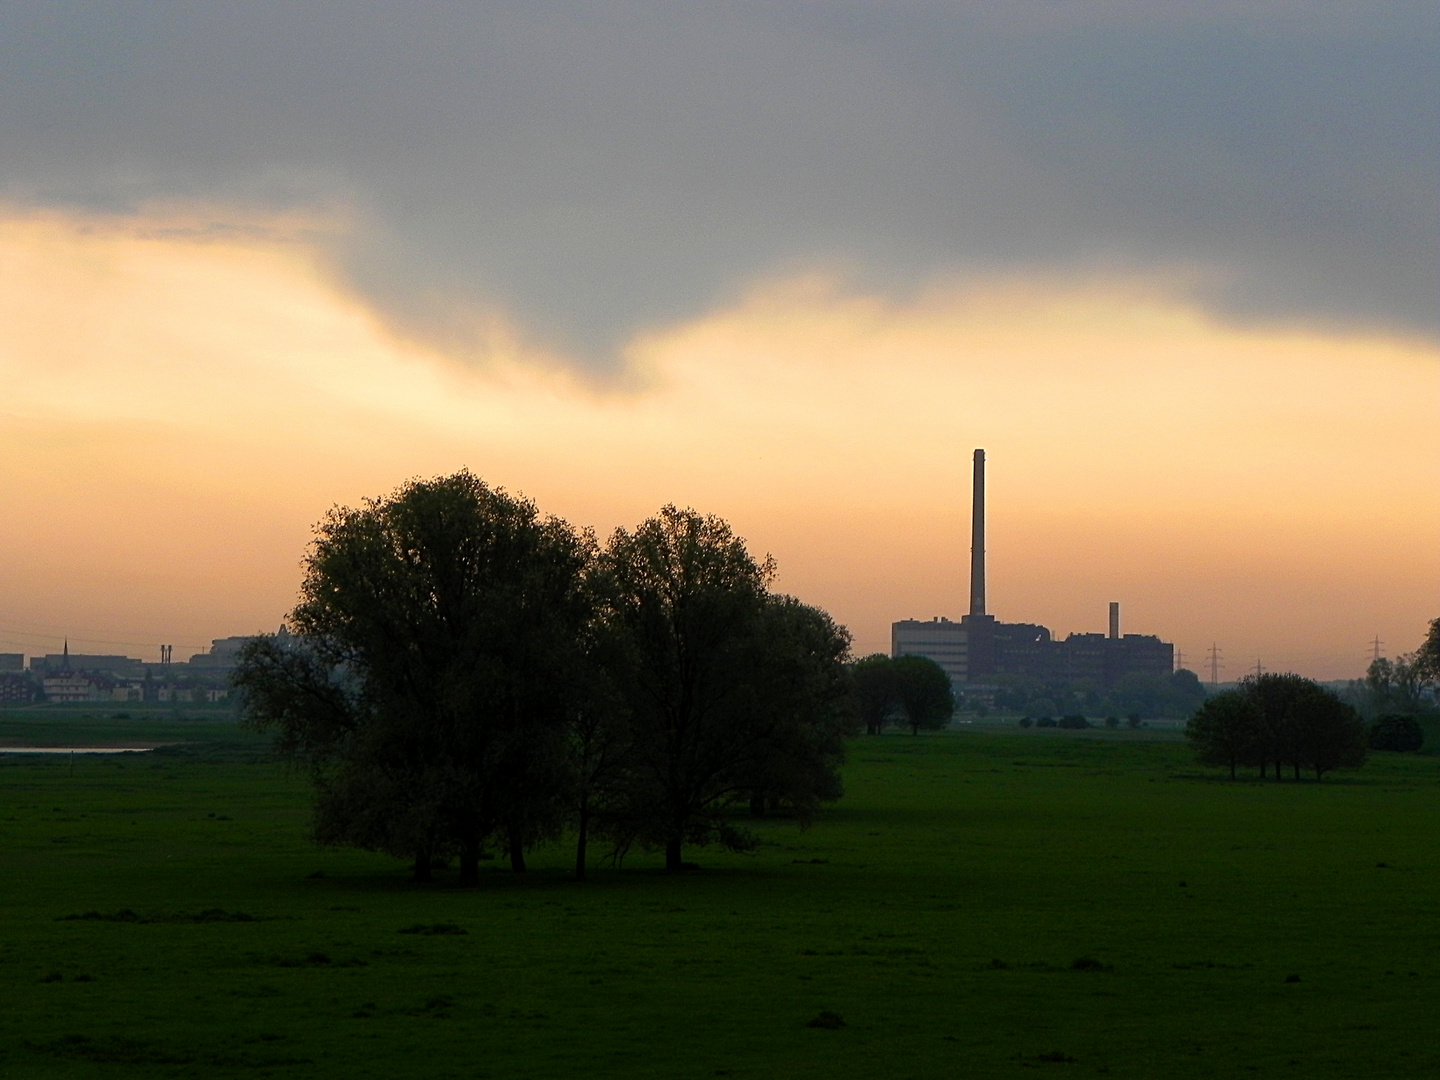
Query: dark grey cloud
x=598, y=167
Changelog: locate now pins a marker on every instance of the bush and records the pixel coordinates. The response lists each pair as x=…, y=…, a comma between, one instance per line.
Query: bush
x=1025, y=721
x=1132, y=721
x=1045, y=721
x=1396, y=732
x=1074, y=721
x=1112, y=722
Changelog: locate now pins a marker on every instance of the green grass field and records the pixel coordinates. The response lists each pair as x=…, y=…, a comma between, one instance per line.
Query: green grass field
x=986, y=902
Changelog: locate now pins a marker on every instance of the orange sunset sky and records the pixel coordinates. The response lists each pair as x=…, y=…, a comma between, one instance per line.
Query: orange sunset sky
x=1227, y=424
x=181, y=408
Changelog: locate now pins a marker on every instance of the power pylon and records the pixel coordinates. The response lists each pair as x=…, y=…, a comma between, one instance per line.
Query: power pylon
x=1216, y=663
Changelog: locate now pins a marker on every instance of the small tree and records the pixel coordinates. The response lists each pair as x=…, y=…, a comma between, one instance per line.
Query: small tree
x=1328, y=733
x=1397, y=732
x=876, y=689
x=925, y=693
x=1224, y=729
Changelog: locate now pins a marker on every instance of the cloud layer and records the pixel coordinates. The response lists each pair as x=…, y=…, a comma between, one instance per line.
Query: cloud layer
x=584, y=172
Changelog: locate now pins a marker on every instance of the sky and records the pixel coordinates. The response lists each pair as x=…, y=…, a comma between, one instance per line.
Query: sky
x=1172, y=265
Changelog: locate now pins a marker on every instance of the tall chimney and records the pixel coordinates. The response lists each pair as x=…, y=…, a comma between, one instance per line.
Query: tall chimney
x=1114, y=619
x=977, y=538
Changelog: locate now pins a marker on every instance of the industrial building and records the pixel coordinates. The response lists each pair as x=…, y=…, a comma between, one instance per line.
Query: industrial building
x=979, y=648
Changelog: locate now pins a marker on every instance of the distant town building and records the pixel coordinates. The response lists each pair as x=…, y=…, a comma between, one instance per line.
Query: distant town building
x=12, y=661
x=72, y=687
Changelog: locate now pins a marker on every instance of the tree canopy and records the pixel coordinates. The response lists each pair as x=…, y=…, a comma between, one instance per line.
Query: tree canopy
x=732, y=693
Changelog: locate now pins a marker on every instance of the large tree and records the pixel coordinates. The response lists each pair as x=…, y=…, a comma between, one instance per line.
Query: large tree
x=1427, y=657
x=802, y=696
x=726, y=687
x=436, y=660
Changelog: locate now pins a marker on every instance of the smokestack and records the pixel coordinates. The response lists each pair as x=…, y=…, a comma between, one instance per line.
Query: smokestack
x=977, y=538
x=1114, y=620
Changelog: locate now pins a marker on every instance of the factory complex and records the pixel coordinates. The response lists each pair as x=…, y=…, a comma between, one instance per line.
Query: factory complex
x=979, y=651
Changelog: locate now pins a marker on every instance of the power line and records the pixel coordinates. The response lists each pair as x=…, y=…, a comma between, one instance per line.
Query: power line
x=14, y=631
x=1375, y=645
x=1216, y=663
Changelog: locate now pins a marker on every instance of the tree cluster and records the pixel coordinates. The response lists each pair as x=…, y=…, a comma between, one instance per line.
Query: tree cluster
x=464, y=675
x=908, y=691
x=1272, y=720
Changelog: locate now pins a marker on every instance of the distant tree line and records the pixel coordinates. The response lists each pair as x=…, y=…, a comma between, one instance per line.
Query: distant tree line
x=1135, y=694
x=1274, y=721
x=907, y=691
x=1396, y=694
x=1405, y=686
x=464, y=676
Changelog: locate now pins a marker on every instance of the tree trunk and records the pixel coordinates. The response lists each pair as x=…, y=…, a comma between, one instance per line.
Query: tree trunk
x=581, y=839
x=673, y=864
x=422, y=867
x=1264, y=770
x=470, y=861
x=1279, y=766
x=517, y=852
x=1232, y=769
x=757, y=804
x=1297, y=771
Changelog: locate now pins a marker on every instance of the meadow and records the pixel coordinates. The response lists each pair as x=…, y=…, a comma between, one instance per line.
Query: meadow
x=983, y=902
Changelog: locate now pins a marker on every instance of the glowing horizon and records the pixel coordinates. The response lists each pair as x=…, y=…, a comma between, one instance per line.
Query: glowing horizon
x=182, y=403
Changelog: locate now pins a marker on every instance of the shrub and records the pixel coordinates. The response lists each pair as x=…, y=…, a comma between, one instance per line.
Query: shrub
x=1132, y=721
x=1112, y=722
x=1396, y=732
x=1074, y=721
x=1045, y=721
x=1025, y=721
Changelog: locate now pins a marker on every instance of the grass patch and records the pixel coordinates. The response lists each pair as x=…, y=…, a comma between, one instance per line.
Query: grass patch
x=979, y=899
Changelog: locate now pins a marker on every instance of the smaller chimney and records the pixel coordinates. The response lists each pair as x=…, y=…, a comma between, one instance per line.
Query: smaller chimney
x=1114, y=620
